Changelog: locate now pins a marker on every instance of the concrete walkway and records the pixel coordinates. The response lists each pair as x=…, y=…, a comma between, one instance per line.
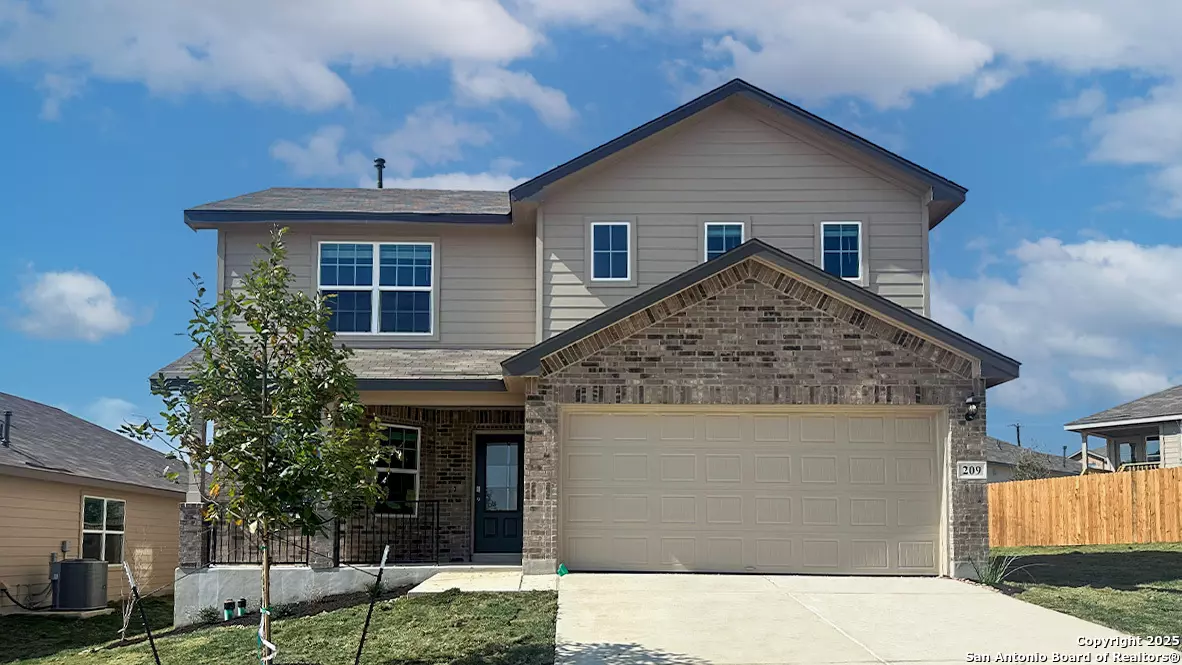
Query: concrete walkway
x=749, y=619
x=508, y=579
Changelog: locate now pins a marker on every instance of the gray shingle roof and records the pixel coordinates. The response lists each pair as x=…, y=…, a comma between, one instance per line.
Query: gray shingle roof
x=400, y=363
x=46, y=438
x=1167, y=402
x=1002, y=452
x=357, y=200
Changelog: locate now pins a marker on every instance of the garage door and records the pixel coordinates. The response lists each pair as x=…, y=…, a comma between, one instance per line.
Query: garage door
x=782, y=492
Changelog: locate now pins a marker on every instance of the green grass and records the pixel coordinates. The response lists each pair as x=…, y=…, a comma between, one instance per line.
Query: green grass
x=25, y=636
x=453, y=628
x=1136, y=589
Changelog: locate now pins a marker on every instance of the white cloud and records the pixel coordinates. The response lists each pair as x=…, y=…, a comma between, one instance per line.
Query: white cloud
x=488, y=84
x=1099, y=316
x=72, y=305
x=112, y=412
x=288, y=51
x=1125, y=384
x=992, y=80
x=57, y=88
x=320, y=155
x=1087, y=103
x=491, y=181
x=430, y=135
x=600, y=13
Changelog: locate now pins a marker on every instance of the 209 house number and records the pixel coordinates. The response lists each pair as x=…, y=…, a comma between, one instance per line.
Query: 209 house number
x=970, y=470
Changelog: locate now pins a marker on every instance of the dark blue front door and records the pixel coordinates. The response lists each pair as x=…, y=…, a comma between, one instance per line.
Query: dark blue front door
x=499, y=486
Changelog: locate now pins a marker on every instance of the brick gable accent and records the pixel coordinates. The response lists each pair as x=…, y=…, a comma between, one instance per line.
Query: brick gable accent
x=751, y=335
x=800, y=290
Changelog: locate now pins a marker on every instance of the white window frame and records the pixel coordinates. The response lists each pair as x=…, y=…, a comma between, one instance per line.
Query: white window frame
x=627, y=224
x=418, y=467
x=104, y=530
x=375, y=314
x=861, y=248
x=706, y=235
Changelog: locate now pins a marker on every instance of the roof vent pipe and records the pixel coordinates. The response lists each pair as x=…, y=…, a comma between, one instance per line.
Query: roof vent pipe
x=379, y=164
x=6, y=431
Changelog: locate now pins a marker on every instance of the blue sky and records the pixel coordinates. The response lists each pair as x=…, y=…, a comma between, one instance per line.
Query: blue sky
x=1064, y=120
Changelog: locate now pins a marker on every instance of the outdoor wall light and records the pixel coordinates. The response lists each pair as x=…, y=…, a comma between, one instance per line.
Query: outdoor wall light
x=970, y=403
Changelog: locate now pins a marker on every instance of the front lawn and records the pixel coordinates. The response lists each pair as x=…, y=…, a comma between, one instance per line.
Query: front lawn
x=1136, y=589
x=453, y=628
x=25, y=636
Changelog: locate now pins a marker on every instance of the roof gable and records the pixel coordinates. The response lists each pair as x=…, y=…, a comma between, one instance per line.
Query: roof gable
x=803, y=281
x=946, y=194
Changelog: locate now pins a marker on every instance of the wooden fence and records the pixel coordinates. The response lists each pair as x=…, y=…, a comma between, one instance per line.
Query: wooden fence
x=1096, y=509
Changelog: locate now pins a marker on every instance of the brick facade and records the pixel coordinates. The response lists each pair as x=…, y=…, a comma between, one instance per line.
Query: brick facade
x=751, y=335
x=447, y=465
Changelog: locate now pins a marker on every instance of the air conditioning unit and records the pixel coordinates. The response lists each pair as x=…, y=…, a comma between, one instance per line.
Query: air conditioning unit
x=79, y=584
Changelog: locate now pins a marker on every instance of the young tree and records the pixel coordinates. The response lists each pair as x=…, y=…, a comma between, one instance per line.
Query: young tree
x=1031, y=466
x=290, y=431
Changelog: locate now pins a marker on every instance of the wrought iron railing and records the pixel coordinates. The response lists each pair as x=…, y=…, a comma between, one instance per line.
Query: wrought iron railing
x=410, y=528
x=230, y=543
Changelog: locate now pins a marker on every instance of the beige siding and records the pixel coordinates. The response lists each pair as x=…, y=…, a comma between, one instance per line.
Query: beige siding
x=731, y=163
x=37, y=515
x=486, y=294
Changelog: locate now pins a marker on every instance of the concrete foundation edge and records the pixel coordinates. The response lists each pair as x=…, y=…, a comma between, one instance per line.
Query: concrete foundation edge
x=289, y=584
x=539, y=566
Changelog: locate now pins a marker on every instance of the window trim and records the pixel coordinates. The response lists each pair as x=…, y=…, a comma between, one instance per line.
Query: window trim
x=630, y=279
x=720, y=222
x=417, y=470
x=103, y=531
x=377, y=289
x=860, y=279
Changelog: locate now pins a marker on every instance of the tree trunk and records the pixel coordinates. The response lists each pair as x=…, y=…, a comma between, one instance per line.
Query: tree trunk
x=266, y=572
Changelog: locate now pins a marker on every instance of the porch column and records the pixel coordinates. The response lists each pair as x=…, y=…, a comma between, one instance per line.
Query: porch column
x=1171, y=443
x=1083, y=458
x=193, y=546
x=1113, y=449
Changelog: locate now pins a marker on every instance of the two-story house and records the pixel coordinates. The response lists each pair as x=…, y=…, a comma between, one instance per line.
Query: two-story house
x=701, y=346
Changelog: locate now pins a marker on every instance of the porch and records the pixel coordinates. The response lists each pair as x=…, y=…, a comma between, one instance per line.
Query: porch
x=452, y=493
x=1129, y=446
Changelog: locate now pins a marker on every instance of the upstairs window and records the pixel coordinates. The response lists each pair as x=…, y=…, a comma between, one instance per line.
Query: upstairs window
x=611, y=251
x=841, y=249
x=722, y=237
x=383, y=288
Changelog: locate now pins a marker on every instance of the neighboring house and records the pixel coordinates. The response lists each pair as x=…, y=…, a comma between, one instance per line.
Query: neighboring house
x=1145, y=433
x=1097, y=458
x=1002, y=458
x=65, y=481
x=701, y=346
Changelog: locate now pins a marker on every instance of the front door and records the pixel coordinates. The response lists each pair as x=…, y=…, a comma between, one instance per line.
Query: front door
x=499, y=486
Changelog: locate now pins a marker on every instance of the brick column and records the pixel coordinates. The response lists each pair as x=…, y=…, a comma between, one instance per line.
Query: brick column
x=968, y=499
x=322, y=544
x=540, y=534
x=194, y=546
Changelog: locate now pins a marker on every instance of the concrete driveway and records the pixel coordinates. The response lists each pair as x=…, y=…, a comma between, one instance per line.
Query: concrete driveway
x=700, y=619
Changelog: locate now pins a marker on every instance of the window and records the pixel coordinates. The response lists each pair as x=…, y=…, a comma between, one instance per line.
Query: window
x=722, y=237
x=398, y=471
x=102, y=529
x=610, y=251
x=1153, y=449
x=500, y=469
x=379, y=287
x=841, y=249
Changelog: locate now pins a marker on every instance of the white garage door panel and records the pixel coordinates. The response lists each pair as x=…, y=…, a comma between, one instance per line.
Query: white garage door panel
x=802, y=492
